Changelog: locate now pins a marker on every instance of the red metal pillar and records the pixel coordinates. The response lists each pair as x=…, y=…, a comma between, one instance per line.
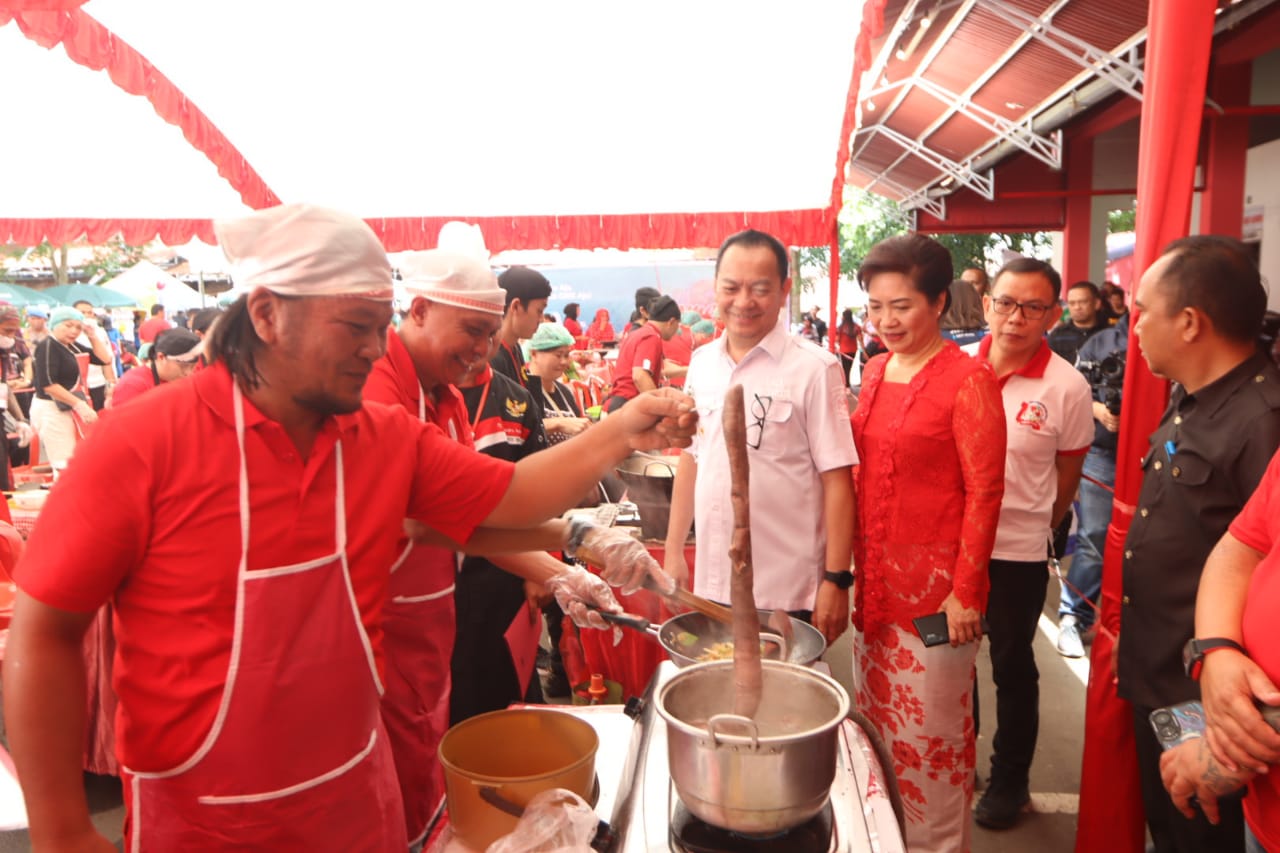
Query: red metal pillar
x=1222, y=203
x=1078, y=212
x=1179, y=40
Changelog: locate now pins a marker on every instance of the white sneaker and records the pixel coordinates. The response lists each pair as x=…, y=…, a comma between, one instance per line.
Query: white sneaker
x=1069, y=643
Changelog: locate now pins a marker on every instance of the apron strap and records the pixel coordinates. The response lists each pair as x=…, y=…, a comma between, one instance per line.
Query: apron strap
x=238, y=405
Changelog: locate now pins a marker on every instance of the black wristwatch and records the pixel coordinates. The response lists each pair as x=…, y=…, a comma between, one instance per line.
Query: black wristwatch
x=842, y=580
x=1196, y=648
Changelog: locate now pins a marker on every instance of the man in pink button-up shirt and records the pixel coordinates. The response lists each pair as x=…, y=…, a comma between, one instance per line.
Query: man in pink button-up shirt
x=799, y=442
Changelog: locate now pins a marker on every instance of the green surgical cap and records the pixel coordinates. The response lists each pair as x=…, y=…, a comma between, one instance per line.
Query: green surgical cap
x=62, y=314
x=688, y=318
x=704, y=327
x=550, y=336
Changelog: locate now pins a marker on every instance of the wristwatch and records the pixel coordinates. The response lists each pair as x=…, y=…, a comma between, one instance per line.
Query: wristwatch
x=842, y=580
x=1196, y=648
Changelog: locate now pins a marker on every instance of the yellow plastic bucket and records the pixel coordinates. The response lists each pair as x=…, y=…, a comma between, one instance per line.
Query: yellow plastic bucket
x=494, y=764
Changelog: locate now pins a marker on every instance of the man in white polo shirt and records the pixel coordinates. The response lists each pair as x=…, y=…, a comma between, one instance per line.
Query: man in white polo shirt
x=799, y=443
x=1049, y=420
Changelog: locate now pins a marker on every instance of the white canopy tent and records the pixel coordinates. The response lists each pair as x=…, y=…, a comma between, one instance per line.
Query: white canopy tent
x=586, y=122
x=149, y=284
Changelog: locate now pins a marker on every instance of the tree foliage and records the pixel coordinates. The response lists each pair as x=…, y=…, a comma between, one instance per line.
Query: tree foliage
x=109, y=258
x=1120, y=221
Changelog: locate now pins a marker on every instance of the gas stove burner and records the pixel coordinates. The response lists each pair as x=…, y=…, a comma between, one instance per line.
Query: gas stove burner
x=690, y=834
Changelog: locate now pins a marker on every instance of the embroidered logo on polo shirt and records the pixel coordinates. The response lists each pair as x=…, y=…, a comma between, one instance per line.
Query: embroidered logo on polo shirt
x=516, y=409
x=1033, y=414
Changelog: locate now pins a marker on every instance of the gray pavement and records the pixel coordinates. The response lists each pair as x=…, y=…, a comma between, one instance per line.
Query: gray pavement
x=1049, y=827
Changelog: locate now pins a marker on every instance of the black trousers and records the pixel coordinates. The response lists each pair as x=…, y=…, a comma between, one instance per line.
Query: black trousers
x=1013, y=610
x=484, y=677
x=1170, y=831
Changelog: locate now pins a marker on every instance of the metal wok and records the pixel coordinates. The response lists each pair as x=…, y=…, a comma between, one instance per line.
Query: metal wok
x=806, y=646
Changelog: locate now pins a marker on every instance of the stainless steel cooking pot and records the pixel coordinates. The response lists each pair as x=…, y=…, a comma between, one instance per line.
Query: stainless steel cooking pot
x=649, y=480
x=754, y=776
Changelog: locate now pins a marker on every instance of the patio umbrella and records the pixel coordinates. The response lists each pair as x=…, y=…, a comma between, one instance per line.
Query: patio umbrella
x=96, y=295
x=21, y=297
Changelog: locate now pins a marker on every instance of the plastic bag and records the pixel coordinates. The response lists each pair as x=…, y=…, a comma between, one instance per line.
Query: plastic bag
x=555, y=821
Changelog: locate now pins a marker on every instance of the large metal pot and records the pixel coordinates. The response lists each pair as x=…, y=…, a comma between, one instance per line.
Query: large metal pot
x=755, y=776
x=649, y=480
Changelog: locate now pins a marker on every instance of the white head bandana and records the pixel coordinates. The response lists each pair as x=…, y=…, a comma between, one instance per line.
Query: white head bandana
x=452, y=278
x=303, y=250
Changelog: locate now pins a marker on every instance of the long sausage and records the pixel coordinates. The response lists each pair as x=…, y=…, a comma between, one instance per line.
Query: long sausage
x=747, y=674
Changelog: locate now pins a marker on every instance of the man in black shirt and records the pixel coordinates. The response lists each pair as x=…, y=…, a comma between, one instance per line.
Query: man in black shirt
x=527, y=293
x=1201, y=308
x=1083, y=304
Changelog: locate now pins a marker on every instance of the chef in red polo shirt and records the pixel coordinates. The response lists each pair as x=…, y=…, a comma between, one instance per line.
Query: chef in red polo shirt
x=640, y=358
x=455, y=314
x=248, y=590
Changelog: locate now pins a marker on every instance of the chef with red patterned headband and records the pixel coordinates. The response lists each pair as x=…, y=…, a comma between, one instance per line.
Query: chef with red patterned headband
x=249, y=590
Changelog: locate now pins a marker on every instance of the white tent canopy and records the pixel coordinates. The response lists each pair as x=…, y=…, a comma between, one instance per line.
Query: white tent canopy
x=148, y=284
x=388, y=109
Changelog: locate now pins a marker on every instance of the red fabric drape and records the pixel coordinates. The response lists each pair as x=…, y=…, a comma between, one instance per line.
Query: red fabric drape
x=1178, y=45
x=92, y=45
x=658, y=231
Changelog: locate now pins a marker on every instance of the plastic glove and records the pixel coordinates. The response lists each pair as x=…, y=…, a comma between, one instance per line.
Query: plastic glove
x=86, y=412
x=25, y=433
x=575, y=588
x=622, y=560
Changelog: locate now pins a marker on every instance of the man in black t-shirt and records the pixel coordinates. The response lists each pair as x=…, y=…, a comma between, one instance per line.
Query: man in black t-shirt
x=506, y=424
x=527, y=293
x=1083, y=304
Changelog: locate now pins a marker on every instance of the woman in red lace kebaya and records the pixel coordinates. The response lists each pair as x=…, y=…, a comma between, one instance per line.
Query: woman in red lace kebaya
x=930, y=430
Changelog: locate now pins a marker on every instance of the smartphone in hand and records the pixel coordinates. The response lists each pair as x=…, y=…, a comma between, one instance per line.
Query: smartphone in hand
x=1178, y=724
x=934, y=631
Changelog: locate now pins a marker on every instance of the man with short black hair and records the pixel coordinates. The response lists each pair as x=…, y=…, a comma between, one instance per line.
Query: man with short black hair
x=527, y=293
x=202, y=321
x=798, y=440
x=640, y=357
x=1049, y=426
x=644, y=295
x=1201, y=306
x=1083, y=305
x=977, y=277
x=158, y=323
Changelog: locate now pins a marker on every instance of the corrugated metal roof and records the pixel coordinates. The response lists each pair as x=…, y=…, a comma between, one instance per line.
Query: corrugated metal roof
x=976, y=48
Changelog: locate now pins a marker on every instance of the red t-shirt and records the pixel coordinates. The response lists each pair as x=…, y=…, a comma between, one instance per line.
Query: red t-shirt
x=573, y=327
x=679, y=350
x=163, y=543
x=132, y=385
x=1258, y=526
x=642, y=348
x=394, y=381
x=150, y=328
